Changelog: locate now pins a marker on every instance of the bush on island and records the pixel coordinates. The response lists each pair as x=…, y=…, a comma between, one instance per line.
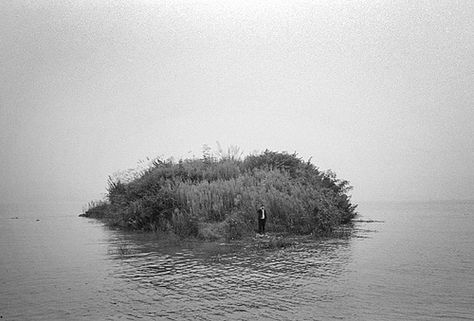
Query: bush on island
x=217, y=197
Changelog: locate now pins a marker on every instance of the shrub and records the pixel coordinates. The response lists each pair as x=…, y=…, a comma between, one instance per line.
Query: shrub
x=217, y=197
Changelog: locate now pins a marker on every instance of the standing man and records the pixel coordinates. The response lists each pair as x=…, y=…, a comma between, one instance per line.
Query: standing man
x=262, y=218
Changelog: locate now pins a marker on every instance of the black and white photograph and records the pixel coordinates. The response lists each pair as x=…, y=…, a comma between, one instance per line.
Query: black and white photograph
x=236, y=160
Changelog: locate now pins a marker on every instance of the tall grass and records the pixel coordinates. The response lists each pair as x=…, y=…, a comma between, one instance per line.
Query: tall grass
x=216, y=197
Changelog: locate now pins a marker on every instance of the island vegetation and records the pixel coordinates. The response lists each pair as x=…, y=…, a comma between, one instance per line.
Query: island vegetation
x=216, y=196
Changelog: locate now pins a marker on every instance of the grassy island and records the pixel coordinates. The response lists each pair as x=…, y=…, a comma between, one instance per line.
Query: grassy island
x=217, y=197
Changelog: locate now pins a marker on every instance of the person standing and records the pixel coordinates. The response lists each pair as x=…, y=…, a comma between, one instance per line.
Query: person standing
x=262, y=218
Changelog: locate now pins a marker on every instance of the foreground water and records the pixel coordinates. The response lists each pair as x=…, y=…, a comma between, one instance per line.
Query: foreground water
x=415, y=263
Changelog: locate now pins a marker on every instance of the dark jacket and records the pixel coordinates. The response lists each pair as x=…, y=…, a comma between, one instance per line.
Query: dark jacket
x=259, y=212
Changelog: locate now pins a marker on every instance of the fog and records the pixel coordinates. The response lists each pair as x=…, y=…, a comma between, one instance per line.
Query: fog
x=380, y=92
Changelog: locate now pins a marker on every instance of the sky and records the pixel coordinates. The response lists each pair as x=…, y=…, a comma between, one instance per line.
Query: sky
x=380, y=92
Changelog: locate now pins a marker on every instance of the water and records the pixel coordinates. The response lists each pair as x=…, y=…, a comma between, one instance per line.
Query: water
x=416, y=263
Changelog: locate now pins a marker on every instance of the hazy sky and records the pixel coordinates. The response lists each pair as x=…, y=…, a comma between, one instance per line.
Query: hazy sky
x=381, y=92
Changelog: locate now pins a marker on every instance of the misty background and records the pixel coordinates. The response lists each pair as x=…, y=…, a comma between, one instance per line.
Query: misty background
x=381, y=92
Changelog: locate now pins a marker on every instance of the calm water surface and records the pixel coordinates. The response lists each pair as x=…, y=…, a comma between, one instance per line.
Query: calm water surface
x=415, y=265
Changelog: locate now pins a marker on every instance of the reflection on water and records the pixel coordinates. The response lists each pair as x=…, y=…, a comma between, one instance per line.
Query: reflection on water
x=415, y=263
x=231, y=281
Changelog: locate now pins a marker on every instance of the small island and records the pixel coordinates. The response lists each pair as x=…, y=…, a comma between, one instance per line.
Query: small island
x=217, y=196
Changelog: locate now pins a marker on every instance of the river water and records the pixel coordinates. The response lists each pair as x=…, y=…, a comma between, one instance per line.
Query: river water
x=415, y=262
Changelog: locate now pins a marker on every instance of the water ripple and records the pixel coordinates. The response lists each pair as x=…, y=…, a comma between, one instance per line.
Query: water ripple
x=236, y=282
